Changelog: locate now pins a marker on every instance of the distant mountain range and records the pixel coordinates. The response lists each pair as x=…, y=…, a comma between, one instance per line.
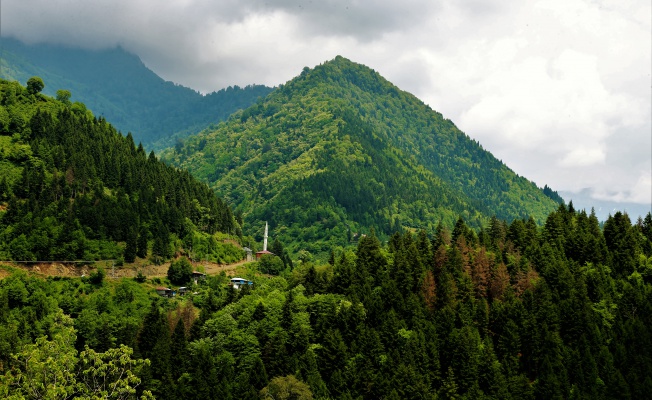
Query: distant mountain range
x=604, y=208
x=339, y=150
x=117, y=85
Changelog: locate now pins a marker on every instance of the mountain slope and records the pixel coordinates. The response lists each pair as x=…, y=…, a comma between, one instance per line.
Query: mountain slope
x=339, y=149
x=118, y=86
x=72, y=187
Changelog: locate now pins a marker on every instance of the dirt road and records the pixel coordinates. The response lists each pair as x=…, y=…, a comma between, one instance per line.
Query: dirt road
x=126, y=271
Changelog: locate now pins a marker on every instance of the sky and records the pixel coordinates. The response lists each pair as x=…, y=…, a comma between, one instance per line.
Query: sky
x=559, y=90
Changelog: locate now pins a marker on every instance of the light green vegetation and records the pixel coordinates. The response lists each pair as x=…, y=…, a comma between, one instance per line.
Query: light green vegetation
x=339, y=150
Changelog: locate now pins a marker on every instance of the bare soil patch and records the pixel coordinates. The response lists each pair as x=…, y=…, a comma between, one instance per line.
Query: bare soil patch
x=64, y=269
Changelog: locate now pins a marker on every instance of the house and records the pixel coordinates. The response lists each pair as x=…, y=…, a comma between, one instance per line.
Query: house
x=165, y=292
x=263, y=253
x=237, y=283
x=183, y=290
x=198, y=276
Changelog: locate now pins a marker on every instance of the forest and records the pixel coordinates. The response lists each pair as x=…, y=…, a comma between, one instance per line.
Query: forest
x=338, y=150
x=74, y=188
x=512, y=311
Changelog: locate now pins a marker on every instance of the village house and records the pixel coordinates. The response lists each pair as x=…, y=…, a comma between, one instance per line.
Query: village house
x=165, y=292
x=198, y=276
x=237, y=283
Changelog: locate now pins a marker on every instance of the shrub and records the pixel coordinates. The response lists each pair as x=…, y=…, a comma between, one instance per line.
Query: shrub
x=97, y=277
x=140, y=278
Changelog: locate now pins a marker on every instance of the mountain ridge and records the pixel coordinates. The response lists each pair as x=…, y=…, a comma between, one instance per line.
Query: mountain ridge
x=118, y=85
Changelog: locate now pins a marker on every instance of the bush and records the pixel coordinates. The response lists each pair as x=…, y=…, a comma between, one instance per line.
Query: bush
x=140, y=278
x=97, y=277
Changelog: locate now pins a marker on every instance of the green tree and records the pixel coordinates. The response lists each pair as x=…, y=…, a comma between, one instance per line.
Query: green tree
x=142, y=241
x=35, y=85
x=269, y=264
x=161, y=247
x=180, y=271
x=131, y=247
x=64, y=96
x=53, y=369
x=286, y=388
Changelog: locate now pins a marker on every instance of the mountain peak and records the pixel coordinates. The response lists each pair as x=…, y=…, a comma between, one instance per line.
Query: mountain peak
x=340, y=149
x=341, y=68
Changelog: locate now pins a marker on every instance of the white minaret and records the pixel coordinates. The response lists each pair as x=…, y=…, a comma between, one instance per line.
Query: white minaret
x=265, y=238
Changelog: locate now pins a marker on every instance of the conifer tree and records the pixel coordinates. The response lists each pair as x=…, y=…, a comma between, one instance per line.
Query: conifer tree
x=131, y=247
x=142, y=241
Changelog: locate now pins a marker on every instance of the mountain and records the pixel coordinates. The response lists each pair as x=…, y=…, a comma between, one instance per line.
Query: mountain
x=118, y=86
x=339, y=149
x=73, y=188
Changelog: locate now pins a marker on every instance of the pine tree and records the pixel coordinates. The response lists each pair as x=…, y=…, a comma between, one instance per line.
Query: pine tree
x=131, y=247
x=141, y=245
x=178, y=349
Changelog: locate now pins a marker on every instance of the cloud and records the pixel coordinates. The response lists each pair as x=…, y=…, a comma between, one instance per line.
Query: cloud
x=557, y=89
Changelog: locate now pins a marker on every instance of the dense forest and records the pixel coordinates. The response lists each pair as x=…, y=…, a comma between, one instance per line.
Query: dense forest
x=513, y=311
x=119, y=87
x=339, y=149
x=73, y=188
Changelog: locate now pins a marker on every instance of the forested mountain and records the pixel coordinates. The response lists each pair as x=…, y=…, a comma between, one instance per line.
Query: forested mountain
x=517, y=311
x=72, y=187
x=119, y=87
x=339, y=149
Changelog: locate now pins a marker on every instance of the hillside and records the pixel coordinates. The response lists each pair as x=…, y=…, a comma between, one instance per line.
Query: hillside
x=339, y=150
x=118, y=86
x=73, y=188
x=561, y=311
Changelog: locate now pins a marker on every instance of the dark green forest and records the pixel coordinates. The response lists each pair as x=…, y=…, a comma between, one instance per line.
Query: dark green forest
x=514, y=311
x=117, y=85
x=339, y=149
x=73, y=188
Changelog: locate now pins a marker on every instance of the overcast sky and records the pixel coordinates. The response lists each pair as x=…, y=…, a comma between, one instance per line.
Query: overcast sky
x=560, y=90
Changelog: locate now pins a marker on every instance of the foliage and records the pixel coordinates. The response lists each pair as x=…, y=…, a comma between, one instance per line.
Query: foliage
x=514, y=311
x=97, y=277
x=35, y=85
x=339, y=150
x=180, y=271
x=270, y=264
x=75, y=188
x=286, y=388
x=54, y=369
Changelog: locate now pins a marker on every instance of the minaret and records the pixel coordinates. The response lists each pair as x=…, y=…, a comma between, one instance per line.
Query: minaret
x=265, y=238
